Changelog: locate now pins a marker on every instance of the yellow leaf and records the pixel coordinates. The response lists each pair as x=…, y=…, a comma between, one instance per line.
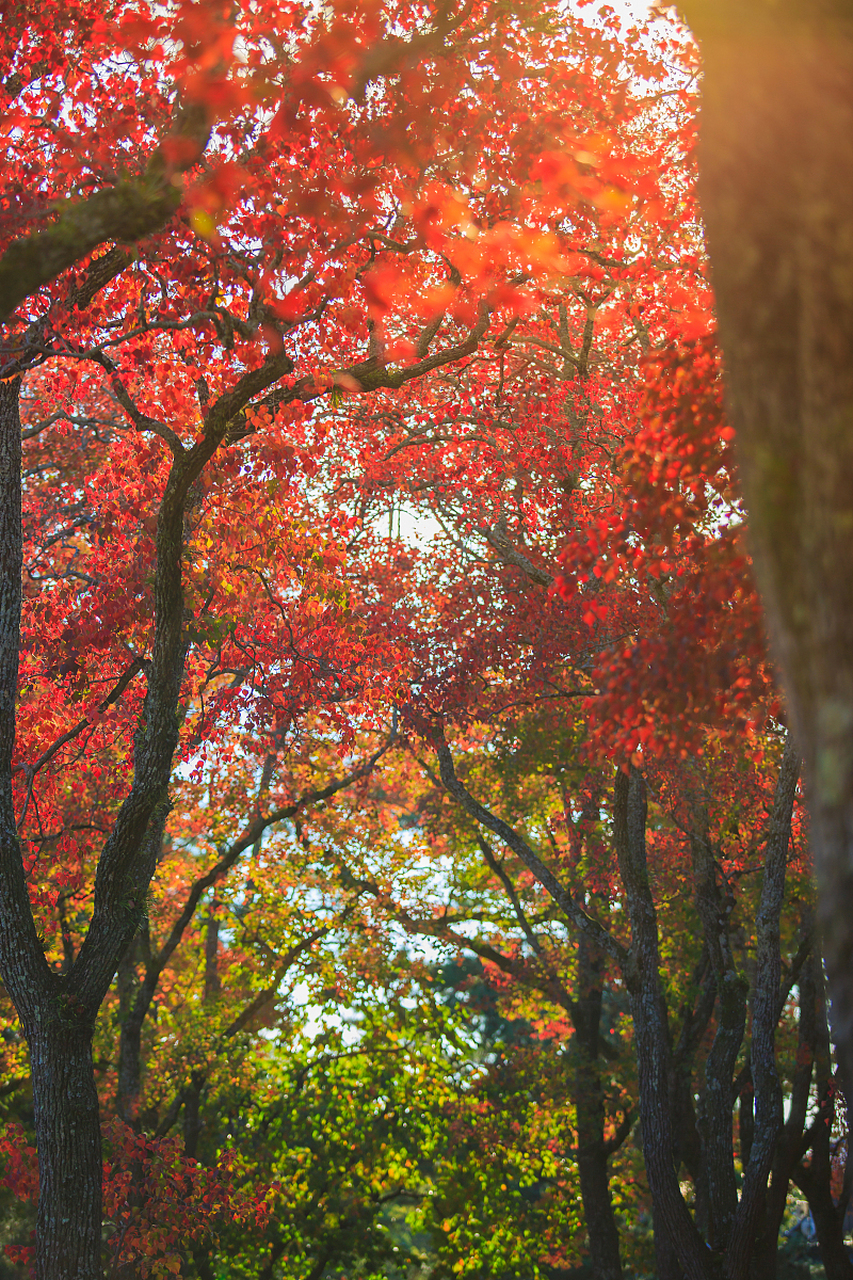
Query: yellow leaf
x=202, y=223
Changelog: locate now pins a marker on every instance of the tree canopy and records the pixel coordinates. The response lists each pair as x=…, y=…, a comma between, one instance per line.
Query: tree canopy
x=404, y=868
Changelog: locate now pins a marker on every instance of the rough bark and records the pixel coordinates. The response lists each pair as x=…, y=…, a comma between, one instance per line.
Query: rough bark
x=789, y=1146
x=715, y=1119
x=56, y=1025
x=68, y=1135
x=776, y=164
x=125, y=212
x=667, y=1266
x=767, y=1102
x=651, y=1035
x=593, y=1153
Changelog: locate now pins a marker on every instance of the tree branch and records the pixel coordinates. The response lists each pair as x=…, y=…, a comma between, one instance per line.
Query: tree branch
x=24, y=969
x=126, y=212
x=573, y=911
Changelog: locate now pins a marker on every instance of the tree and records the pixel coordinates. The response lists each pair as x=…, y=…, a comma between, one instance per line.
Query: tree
x=776, y=163
x=194, y=324
x=198, y=450
x=296, y=233
x=661, y=633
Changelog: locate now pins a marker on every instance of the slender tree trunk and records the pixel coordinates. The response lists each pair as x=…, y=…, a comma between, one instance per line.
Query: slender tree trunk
x=130, y=1040
x=651, y=1035
x=193, y=1123
x=593, y=1171
x=789, y=1147
x=715, y=1117
x=749, y=1220
x=815, y=1180
x=696, y=1015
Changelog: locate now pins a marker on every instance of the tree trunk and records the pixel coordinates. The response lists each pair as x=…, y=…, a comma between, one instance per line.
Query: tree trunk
x=750, y=1220
x=667, y=1266
x=601, y=1227
x=193, y=1123
x=789, y=1147
x=828, y=1221
x=815, y=1180
x=68, y=1133
x=651, y=1036
x=696, y=1015
x=58, y=1012
x=593, y=1153
x=715, y=1116
x=776, y=165
x=58, y=1026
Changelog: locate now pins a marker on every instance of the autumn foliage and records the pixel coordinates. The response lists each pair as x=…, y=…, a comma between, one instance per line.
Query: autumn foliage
x=388, y=722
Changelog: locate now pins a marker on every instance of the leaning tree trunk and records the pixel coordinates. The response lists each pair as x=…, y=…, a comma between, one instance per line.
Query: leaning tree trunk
x=776, y=164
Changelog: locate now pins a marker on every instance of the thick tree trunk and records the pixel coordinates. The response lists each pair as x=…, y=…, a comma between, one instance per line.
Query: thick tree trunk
x=68, y=1133
x=777, y=193
x=667, y=1266
x=58, y=1012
